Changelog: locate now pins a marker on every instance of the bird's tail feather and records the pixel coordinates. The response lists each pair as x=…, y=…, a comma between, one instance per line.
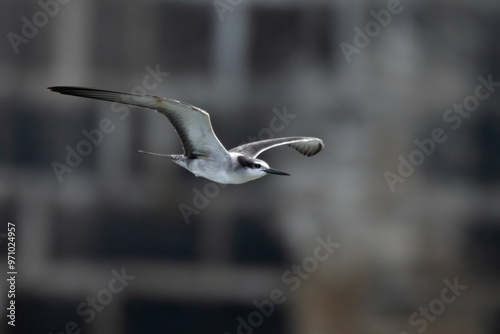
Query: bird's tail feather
x=175, y=158
x=170, y=156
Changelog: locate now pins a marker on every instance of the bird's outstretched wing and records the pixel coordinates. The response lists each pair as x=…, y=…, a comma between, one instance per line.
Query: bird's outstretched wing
x=307, y=146
x=191, y=123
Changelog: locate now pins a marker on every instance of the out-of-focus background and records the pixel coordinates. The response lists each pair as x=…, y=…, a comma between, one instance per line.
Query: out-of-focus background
x=393, y=228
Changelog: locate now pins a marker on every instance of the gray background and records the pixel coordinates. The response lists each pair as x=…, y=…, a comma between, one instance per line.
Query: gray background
x=120, y=209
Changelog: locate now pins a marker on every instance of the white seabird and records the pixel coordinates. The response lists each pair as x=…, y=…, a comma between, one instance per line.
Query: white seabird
x=204, y=155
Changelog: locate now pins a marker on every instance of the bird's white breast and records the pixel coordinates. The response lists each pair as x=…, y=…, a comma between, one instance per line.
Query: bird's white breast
x=220, y=171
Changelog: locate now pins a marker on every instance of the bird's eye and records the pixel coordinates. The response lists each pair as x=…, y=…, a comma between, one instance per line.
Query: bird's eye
x=256, y=165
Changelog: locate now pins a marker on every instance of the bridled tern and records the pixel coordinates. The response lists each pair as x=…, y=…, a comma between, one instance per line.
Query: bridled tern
x=204, y=155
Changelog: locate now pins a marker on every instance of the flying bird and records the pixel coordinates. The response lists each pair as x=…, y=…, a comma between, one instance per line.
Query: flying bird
x=204, y=155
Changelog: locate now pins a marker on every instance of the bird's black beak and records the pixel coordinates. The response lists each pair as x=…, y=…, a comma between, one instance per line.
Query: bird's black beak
x=275, y=171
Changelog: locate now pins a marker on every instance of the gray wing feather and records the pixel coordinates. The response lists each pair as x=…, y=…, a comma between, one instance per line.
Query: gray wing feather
x=307, y=146
x=191, y=123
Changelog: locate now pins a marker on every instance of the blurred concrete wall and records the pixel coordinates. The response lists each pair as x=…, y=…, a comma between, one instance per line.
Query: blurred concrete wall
x=404, y=95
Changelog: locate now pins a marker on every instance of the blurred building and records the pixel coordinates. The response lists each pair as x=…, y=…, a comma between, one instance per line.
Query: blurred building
x=203, y=256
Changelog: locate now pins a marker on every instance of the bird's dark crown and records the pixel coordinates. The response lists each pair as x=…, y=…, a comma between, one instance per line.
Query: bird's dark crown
x=247, y=162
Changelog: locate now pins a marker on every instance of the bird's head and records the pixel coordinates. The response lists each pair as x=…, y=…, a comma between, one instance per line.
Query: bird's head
x=256, y=168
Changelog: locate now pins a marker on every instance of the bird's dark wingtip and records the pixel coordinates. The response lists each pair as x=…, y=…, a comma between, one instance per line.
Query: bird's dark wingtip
x=61, y=89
